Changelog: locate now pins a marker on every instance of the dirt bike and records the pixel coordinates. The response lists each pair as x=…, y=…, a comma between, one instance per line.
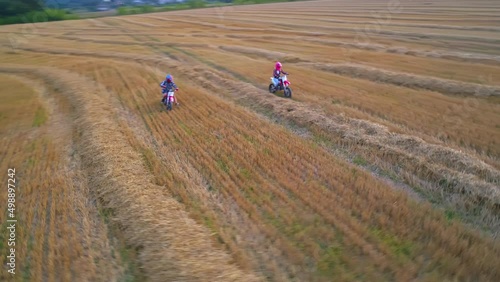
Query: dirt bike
x=284, y=85
x=169, y=99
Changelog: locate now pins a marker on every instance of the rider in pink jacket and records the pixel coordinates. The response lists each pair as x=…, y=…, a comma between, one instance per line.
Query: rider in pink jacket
x=277, y=73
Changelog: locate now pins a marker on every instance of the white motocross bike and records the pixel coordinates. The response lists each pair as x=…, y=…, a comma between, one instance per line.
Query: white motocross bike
x=168, y=99
x=283, y=84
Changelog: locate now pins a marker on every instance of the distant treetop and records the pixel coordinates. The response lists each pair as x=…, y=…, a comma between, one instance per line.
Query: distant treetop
x=19, y=7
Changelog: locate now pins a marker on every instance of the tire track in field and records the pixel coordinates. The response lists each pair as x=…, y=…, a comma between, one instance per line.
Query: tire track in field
x=171, y=244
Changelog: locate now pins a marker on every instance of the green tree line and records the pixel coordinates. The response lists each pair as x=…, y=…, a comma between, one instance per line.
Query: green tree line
x=30, y=11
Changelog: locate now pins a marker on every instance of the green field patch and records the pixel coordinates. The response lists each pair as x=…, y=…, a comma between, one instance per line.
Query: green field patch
x=330, y=261
x=400, y=248
x=147, y=157
x=249, y=138
x=223, y=165
x=40, y=117
x=186, y=128
x=129, y=258
x=245, y=173
x=450, y=215
x=359, y=161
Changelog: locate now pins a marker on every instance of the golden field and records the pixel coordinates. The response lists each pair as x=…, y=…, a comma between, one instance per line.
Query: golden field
x=383, y=166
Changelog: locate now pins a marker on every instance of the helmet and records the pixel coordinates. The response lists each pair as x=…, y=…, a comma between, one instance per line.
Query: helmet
x=169, y=78
x=278, y=65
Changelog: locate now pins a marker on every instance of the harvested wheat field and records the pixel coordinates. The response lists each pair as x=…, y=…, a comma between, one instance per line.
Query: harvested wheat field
x=384, y=165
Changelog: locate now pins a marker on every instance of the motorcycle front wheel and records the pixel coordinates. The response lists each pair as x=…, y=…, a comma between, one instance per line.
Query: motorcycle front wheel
x=288, y=92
